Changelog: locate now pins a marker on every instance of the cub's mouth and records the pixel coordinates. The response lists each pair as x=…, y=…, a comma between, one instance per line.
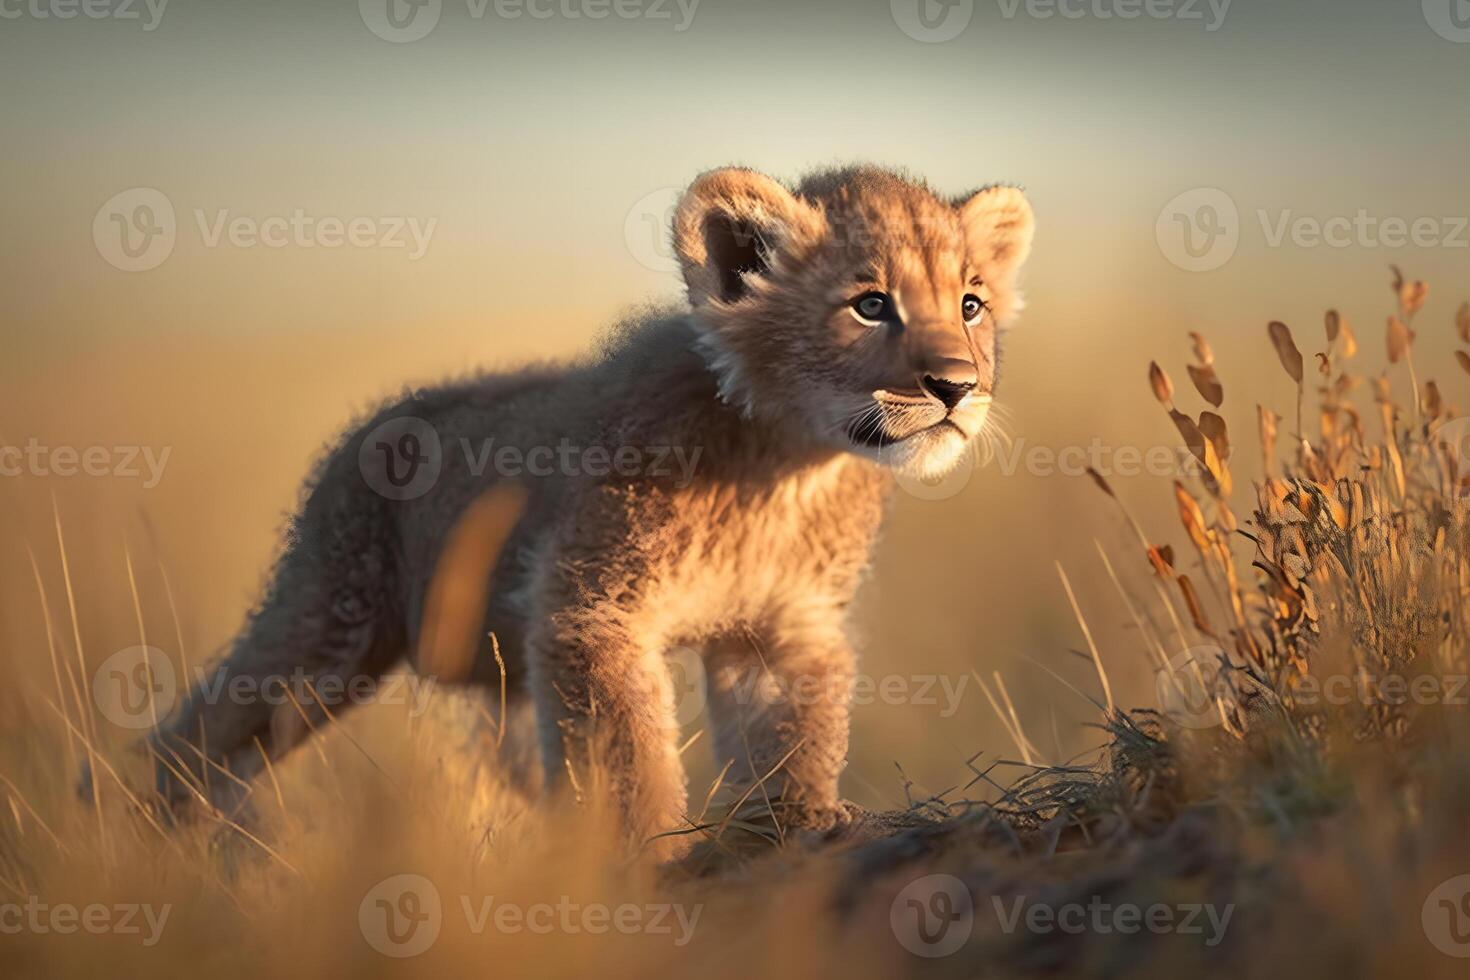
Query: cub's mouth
x=921, y=439
x=872, y=432
x=895, y=418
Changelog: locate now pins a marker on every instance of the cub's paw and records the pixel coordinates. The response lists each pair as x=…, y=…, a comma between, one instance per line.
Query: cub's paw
x=851, y=823
x=821, y=820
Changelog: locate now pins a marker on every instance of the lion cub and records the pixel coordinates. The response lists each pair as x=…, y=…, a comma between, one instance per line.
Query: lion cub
x=714, y=478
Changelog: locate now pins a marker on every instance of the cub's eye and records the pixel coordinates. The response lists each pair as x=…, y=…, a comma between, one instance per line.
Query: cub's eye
x=873, y=308
x=972, y=308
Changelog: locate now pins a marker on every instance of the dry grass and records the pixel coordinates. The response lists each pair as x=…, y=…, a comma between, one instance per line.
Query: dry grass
x=1323, y=826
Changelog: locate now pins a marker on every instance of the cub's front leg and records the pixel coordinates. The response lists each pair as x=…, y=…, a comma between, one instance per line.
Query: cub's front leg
x=604, y=700
x=780, y=697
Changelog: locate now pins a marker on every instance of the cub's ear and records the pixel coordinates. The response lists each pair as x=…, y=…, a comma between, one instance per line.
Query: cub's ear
x=998, y=226
x=735, y=223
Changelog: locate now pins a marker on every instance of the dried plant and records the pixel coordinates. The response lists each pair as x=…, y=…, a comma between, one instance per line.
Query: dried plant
x=1352, y=563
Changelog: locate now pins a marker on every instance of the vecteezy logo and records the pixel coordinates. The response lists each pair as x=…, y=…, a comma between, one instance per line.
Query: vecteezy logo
x=646, y=230
x=135, y=687
x=135, y=229
x=1455, y=436
x=400, y=21
x=402, y=458
x=1188, y=686
x=945, y=485
x=1446, y=917
x=932, y=21
x=933, y=916
x=1450, y=19
x=686, y=674
x=1199, y=230
x=400, y=916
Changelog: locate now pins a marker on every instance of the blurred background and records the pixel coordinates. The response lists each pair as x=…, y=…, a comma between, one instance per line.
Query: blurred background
x=458, y=186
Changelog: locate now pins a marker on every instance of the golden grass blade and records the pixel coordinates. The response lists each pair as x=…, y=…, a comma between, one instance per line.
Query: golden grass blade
x=1291, y=360
x=714, y=788
x=151, y=534
x=173, y=612
x=759, y=785
x=89, y=724
x=55, y=657
x=332, y=719
x=1196, y=609
x=1401, y=347
x=1150, y=640
x=500, y=664
x=1029, y=752
x=1268, y=422
x=1399, y=338
x=1349, y=341
x=1102, y=674
x=1192, y=518
x=270, y=770
x=1102, y=483
x=1017, y=737
x=1160, y=558
x=142, y=632
x=1065, y=683
x=1391, y=447
x=17, y=796
x=121, y=784
x=689, y=742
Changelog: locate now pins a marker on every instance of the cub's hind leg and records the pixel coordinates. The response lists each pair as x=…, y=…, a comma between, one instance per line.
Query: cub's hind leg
x=330, y=625
x=313, y=648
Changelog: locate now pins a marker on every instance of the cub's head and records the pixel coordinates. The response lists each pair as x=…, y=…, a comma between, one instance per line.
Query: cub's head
x=860, y=307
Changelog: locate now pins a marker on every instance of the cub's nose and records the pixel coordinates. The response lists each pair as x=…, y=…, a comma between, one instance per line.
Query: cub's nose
x=951, y=380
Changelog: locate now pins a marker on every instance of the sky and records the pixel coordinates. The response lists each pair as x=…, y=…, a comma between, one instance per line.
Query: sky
x=228, y=227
